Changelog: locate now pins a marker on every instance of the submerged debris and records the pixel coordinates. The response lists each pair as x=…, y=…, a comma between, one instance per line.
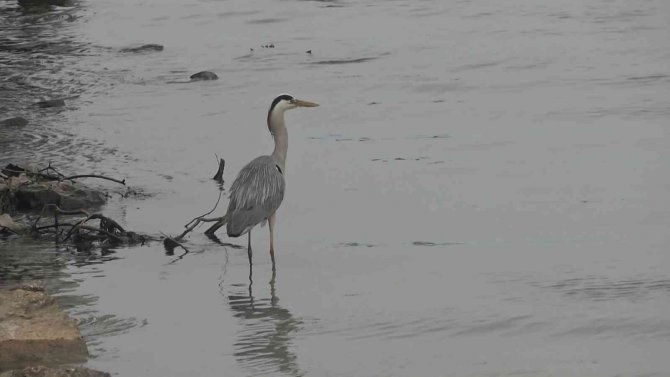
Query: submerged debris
x=219, y=173
x=79, y=229
x=204, y=75
x=143, y=48
x=14, y=122
x=170, y=243
x=31, y=3
x=56, y=194
x=51, y=103
x=25, y=189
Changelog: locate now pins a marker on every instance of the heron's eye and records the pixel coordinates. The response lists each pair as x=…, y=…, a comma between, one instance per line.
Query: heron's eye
x=292, y=101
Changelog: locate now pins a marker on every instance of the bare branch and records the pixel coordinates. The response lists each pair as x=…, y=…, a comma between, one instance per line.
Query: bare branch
x=221, y=222
x=123, y=182
x=59, y=176
x=219, y=173
x=114, y=226
x=197, y=220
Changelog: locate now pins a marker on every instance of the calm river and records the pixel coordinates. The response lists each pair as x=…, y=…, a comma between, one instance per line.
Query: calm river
x=483, y=191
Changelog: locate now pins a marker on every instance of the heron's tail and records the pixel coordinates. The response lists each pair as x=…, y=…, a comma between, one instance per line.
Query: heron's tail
x=236, y=229
x=240, y=222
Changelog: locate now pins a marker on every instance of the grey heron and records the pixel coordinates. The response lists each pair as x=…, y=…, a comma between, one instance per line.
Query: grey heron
x=258, y=190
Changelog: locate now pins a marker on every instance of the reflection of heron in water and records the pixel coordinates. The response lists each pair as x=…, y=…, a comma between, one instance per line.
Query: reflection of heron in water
x=264, y=342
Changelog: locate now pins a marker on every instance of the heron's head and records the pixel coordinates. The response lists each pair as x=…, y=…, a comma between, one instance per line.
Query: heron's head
x=285, y=102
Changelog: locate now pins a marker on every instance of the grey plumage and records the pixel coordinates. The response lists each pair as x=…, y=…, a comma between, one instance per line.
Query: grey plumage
x=255, y=195
x=258, y=190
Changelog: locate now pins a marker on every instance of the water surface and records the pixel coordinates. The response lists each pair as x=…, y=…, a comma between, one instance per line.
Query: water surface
x=482, y=192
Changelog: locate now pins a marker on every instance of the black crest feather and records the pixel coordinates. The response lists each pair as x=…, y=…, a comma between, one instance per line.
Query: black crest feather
x=285, y=97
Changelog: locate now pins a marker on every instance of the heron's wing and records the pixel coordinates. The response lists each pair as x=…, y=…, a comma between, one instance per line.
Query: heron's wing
x=255, y=195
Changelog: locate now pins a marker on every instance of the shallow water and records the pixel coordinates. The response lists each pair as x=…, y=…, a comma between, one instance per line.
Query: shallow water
x=482, y=191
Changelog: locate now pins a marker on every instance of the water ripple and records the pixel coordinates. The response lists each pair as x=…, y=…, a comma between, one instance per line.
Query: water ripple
x=343, y=61
x=604, y=289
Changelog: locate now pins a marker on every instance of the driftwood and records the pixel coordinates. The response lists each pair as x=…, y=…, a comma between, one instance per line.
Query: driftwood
x=171, y=243
x=221, y=221
x=219, y=173
x=15, y=170
x=30, y=189
x=62, y=200
x=107, y=231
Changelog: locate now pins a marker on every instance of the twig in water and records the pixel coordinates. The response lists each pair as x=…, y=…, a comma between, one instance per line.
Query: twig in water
x=106, y=224
x=123, y=182
x=219, y=173
x=108, y=234
x=85, y=227
x=215, y=227
x=48, y=168
x=170, y=244
x=17, y=170
x=57, y=210
x=108, y=227
x=59, y=177
x=197, y=220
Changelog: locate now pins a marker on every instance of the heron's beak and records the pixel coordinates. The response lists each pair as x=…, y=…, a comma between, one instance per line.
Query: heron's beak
x=301, y=103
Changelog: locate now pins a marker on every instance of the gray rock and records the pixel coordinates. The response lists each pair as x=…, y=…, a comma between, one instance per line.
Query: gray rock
x=64, y=195
x=51, y=103
x=14, y=122
x=144, y=48
x=34, y=330
x=7, y=222
x=60, y=3
x=204, y=75
x=35, y=197
x=42, y=371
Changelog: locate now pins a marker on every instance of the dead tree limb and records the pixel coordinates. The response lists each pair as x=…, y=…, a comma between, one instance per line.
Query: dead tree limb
x=108, y=225
x=219, y=173
x=108, y=234
x=199, y=219
x=13, y=169
x=51, y=168
x=172, y=242
x=80, y=226
x=108, y=228
x=193, y=224
x=221, y=222
x=72, y=177
x=57, y=210
x=44, y=227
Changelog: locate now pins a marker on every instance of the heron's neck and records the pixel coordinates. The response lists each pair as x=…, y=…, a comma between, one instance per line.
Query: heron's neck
x=278, y=129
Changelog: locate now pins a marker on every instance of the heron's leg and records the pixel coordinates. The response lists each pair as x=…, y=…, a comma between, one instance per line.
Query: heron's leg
x=249, y=247
x=271, y=222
